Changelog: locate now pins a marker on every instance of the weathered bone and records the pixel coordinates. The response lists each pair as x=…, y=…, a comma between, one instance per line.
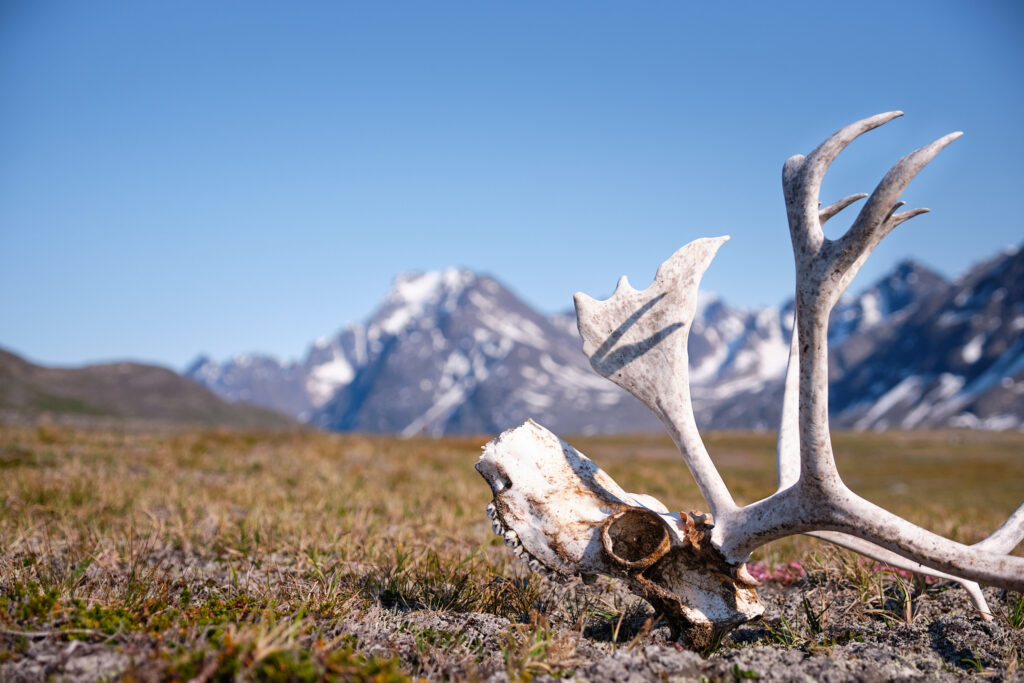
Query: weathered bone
x=567, y=516
x=638, y=340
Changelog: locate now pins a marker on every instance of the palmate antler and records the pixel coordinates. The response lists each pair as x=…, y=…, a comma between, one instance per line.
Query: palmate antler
x=638, y=339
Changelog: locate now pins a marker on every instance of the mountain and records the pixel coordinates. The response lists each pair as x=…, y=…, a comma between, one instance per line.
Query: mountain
x=955, y=359
x=446, y=352
x=736, y=358
x=297, y=389
x=892, y=297
x=738, y=384
x=122, y=391
x=255, y=378
x=457, y=352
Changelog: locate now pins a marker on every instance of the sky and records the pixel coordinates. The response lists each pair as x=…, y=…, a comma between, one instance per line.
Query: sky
x=221, y=177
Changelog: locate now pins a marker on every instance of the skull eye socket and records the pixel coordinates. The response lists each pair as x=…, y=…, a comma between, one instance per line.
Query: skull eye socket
x=635, y=538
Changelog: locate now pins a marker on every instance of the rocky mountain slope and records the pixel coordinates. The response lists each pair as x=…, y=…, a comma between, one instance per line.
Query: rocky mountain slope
x=122, y=391
x=954, y=358
x=457, y=352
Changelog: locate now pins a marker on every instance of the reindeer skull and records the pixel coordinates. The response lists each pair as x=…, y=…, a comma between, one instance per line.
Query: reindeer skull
x=566, y=517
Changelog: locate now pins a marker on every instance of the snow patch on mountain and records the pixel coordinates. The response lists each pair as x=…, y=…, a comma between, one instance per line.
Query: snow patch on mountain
x=325, y=379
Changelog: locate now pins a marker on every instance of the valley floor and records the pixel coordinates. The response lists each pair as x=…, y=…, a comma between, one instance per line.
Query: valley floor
x=225, y=555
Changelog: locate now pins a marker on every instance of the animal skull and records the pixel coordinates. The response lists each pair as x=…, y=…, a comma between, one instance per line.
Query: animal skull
x=566, y=517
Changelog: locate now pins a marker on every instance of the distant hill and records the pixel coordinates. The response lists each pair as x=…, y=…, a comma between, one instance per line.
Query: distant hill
x=120, y=391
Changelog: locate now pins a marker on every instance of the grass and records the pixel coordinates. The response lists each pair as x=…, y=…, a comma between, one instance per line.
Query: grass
x=224, y=555
x=64, y=404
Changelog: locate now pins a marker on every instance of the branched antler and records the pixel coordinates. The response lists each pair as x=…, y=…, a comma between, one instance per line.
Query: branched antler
x=818, y=500
x=638, y=339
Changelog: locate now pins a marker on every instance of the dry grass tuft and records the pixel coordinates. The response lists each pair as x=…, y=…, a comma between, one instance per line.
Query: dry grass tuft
x=299, y=556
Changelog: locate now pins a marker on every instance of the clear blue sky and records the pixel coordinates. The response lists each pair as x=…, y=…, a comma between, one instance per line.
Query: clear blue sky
x=181, y=177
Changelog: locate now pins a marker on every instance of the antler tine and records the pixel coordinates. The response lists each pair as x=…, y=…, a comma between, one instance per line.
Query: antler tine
x=788, y=445
x=898, y=218
x=833, y=209
x=821, y=158
x=895, y=207
x=877, y=219
x=1008, y=536
x=802, y=176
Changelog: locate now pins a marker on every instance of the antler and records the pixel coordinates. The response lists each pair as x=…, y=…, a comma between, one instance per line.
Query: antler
x=812, y=497
x=789, y=473
x=825, y=267
x=638, y=339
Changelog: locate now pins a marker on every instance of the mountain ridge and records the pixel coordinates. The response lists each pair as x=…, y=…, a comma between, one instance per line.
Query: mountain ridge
x=455, y=351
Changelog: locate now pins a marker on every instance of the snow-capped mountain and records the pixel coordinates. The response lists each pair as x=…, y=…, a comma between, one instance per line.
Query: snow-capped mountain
x=735, y=354
x=449, y=351
x=298, y=389
x=896, y=294
x=955, y=359
x=456, y=352
x=255, y=378
x=854, y=325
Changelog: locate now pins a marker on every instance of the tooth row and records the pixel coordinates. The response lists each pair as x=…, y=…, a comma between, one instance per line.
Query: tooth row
x=512, y=541
x=496, y=524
